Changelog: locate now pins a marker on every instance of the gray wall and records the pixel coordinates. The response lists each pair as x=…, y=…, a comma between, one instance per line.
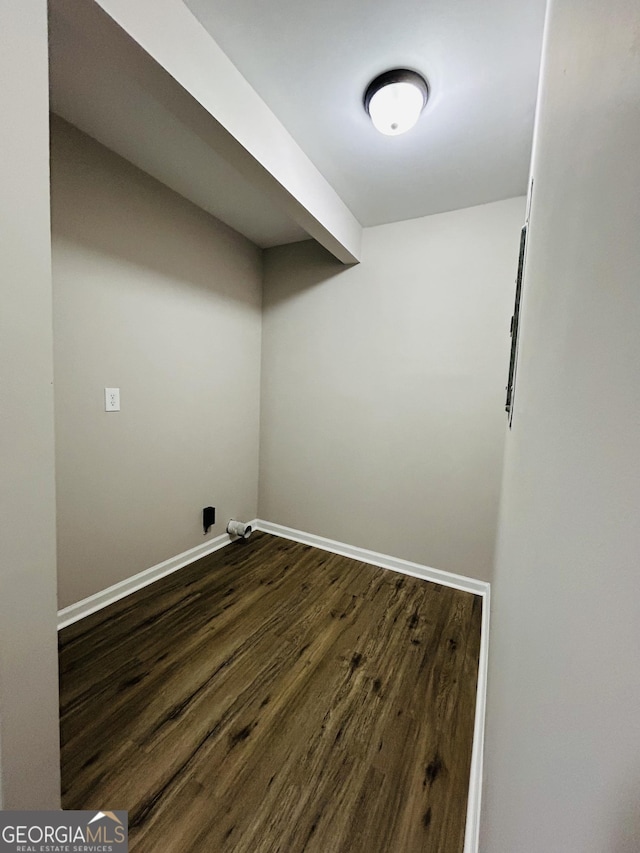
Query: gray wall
x=382, y=420
x=563, y=747
x=155, y=297
x=29, y=757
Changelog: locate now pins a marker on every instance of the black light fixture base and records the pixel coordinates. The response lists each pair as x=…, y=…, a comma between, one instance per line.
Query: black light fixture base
x=396, y=75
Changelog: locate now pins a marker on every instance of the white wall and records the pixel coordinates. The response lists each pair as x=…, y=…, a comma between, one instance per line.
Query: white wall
x=29, y=754
x=155, y=297
x=563, y=749
x=383, y=417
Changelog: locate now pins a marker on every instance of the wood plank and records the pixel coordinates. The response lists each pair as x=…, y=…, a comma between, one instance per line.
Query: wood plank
x=275, y=697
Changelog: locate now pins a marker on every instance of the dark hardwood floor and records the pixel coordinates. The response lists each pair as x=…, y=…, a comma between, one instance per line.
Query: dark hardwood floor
x=275, y=697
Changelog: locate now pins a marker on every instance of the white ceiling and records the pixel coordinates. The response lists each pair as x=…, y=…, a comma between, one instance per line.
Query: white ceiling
x=151, y=82
x=311, y=62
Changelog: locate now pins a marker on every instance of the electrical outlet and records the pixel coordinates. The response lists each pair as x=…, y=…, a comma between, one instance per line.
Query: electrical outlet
x=112, y=399
x=208, y=518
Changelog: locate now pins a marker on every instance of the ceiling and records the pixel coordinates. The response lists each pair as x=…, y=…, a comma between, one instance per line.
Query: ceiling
x=151, y=81
x=311, y=62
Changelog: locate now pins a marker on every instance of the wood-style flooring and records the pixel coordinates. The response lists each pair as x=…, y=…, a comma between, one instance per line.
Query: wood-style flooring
x=275, y=697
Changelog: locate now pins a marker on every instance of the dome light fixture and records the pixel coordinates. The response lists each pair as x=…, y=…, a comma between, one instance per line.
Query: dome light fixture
x=395, y=99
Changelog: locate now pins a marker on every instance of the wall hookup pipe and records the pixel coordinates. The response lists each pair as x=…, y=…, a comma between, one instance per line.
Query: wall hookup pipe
x=239, y=530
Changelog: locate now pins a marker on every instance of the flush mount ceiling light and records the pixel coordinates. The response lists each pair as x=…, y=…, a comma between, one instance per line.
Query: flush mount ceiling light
x=395, y=99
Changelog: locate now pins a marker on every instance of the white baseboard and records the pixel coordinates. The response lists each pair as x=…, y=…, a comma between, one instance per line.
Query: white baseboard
x=474, y=801
x=481, y=588
x=75, y=612
x=375, y=559
x=96, y=602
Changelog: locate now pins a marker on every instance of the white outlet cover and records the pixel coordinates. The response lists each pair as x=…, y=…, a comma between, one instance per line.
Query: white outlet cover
x=112, y=399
